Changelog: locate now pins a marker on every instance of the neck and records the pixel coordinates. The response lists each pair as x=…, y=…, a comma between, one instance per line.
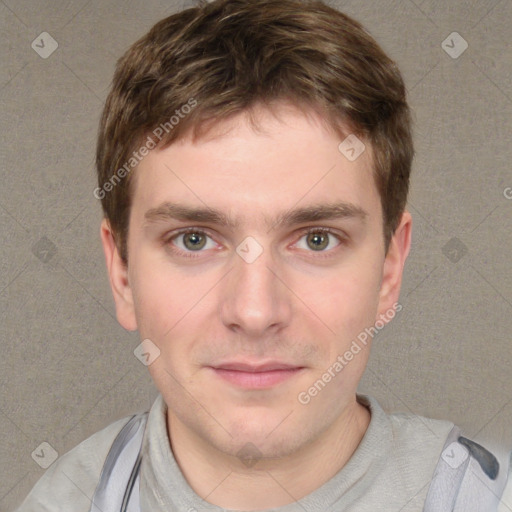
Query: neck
x=223, y=480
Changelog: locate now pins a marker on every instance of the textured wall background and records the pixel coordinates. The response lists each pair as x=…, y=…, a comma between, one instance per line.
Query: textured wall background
x=67, y=367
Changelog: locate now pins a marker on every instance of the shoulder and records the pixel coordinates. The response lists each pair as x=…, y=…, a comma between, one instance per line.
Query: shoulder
x=410, y=446
x=69, y=483
x=461, y=470
x=420, y=436
x=406, y=429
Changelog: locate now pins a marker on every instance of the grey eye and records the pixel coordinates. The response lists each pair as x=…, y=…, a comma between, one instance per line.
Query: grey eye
x=194, y=241
x=317, y=241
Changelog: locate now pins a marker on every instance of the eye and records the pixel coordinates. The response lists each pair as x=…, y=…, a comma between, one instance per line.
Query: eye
x=319, y=239
x=192, y=240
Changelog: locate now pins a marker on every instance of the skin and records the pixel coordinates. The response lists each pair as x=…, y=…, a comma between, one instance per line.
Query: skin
x=293, y=304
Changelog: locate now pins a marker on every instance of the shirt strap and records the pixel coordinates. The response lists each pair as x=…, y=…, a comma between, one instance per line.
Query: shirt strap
x=118, y=487
x=466, y=478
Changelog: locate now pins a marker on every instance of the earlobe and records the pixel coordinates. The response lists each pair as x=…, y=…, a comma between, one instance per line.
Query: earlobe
x=118, y=276
x=394, y=262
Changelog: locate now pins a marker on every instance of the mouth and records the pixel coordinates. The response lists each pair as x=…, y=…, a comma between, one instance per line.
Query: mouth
x=256, y=376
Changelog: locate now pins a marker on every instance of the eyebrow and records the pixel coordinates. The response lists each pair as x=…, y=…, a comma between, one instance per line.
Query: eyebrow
x=173, y=211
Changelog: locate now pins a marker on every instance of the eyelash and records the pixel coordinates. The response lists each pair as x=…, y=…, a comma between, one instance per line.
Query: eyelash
x=190, y=254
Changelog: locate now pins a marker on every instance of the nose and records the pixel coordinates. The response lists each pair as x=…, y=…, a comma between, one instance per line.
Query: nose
x=255, y=300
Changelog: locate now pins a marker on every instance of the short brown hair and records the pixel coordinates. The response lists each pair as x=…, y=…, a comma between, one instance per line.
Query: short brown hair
x=225, y=57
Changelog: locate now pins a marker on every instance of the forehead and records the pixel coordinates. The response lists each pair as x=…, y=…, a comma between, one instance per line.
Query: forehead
x=287, y=160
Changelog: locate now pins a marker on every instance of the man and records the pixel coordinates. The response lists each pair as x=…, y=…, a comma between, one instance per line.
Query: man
x=253, y=167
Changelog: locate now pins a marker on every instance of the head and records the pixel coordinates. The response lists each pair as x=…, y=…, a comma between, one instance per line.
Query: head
x=226, y=120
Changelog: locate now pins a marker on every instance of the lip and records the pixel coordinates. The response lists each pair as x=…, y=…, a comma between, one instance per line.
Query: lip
x=241, y=366
x=256, y=376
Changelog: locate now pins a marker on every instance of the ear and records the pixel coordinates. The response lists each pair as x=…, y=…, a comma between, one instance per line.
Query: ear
x=394, y=262
x=118, y=275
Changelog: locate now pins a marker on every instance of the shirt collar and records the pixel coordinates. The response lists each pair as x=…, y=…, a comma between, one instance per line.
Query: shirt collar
x=163, y=486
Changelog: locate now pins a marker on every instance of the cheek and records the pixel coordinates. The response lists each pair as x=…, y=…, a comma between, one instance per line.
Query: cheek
x=346, y=301
x=162, y=297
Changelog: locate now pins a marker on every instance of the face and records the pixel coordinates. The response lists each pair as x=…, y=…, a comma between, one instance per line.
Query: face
x=256, y=258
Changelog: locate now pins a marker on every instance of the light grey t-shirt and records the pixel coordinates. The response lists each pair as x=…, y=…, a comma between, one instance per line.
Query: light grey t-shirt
x=390, y=470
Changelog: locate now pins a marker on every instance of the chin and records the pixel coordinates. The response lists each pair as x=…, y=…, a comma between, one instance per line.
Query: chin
x=268, y=438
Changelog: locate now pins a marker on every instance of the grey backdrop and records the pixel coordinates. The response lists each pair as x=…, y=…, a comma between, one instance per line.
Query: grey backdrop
x=67, y=367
